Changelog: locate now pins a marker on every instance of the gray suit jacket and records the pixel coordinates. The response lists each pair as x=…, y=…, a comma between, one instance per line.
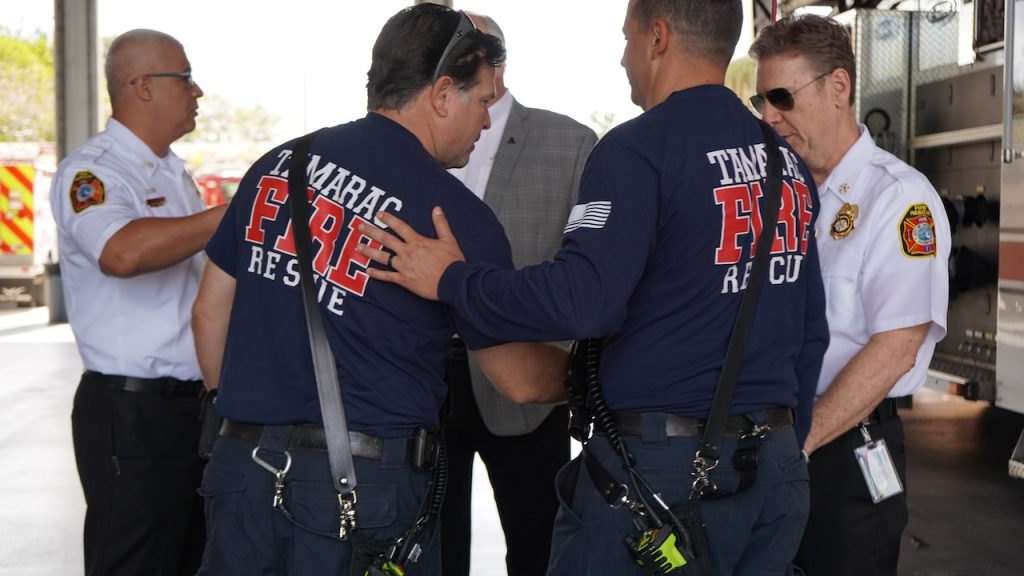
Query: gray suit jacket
x=532, y=187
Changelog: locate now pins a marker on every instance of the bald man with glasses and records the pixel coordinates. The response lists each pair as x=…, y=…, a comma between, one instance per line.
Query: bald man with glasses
x=132, y=225
x=884, y=242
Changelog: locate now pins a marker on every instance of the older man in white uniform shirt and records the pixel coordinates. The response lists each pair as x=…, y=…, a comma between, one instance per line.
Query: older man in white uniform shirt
x=131, y=225
x=884, y=242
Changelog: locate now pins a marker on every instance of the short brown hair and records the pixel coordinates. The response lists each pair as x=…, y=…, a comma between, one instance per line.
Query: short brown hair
x=823, y=41
x=409, y=47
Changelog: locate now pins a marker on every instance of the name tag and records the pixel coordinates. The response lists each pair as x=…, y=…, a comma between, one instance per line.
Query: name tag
x=878, y=469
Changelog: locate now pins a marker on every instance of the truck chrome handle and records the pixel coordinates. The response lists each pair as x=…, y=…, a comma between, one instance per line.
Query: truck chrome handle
x=1009, y=153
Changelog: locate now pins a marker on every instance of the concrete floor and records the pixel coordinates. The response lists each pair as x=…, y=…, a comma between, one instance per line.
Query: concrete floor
x=966, y=515
x=41, y=504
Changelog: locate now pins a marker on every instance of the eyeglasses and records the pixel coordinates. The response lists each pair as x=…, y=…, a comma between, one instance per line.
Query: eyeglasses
x=186, y=76
x=780, y=98
x=465, y=27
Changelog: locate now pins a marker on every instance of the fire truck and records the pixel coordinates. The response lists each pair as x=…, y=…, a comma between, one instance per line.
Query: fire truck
x=217, y=188
x=27, y=230
x=942, y=87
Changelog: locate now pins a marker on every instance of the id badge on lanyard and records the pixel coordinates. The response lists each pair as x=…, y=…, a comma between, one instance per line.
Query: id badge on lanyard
x=877, y=467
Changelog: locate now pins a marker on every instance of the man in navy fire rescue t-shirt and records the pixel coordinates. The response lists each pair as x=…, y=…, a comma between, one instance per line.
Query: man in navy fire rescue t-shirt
x=429, y=85
x=654, y=261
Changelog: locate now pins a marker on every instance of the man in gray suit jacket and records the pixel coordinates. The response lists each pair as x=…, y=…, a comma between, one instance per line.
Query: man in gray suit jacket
x=527, y=168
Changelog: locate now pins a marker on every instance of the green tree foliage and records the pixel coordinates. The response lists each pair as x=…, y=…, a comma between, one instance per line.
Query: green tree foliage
x=27, y=91
x=28, y=99
x=222, y=121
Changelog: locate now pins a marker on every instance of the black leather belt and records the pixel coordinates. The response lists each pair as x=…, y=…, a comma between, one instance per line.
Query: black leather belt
x=679, y=426
x=165, y=387
x=309, y=437
x=889, y=409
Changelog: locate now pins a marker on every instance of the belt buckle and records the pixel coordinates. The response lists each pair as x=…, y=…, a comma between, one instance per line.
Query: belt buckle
x=759, y=430
x=129, y=384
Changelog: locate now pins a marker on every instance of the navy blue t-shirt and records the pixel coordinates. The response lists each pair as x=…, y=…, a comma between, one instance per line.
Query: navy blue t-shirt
x=654, y=260
x=390, y=346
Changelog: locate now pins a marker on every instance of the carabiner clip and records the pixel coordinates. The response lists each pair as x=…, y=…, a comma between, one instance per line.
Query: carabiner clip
x=621, y=496
x=269, y=467
x=279, y=475
x=346, y=514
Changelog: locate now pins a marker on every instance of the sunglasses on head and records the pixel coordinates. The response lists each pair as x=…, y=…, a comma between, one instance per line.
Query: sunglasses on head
x=464, y=27
x=780, y=98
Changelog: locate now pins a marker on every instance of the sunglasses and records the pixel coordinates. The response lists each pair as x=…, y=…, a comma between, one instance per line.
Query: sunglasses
x=186, y=76
x=465, y=27
x=780, y=98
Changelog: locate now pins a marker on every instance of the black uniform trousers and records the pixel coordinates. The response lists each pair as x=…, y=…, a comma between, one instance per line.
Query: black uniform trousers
x=522, y=471
x=137, y=460
x=847, y=534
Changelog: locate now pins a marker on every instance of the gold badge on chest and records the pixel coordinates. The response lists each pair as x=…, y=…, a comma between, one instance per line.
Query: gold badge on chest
x=843, y=225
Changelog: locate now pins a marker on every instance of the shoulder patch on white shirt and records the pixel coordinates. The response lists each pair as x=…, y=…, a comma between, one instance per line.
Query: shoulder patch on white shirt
x=86, y=190
x=590, y=215
x=917, y=232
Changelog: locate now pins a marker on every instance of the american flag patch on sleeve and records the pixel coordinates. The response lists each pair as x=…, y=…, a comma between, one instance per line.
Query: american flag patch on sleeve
x=590, y=215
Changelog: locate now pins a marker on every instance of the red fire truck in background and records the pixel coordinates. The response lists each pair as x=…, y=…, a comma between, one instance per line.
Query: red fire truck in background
x=28, y=233
x=218, y=188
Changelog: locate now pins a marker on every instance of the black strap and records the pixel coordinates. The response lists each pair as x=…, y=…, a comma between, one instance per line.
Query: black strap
x=711, y=442
x=339, y=452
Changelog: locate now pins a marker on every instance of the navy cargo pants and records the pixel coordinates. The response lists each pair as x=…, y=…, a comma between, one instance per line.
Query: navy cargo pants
x=753, y=533
x=246, y=535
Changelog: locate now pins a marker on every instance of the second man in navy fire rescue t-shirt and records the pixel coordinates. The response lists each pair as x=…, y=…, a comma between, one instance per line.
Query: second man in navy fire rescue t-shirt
x=655, y=261
x=430, y=81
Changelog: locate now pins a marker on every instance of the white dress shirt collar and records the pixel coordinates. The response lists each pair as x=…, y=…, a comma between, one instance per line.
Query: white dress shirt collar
x=840, y=182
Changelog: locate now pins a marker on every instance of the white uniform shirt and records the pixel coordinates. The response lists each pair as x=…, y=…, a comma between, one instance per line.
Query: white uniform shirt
x=136, y=326
x=476, y=173
x=880, y=276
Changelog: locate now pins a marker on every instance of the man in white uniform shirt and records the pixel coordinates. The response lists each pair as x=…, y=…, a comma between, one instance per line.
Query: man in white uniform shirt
x=132, y=225
x=527, y=168
x=884, y=242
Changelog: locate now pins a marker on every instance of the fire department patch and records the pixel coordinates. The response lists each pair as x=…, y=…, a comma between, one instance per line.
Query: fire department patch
x=917, y=232
x=86, y=190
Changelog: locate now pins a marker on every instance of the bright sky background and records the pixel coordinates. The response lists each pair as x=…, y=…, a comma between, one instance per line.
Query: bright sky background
x=563, y=55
